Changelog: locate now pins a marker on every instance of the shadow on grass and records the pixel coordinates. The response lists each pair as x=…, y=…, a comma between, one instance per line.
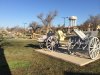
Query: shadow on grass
x=61, y=50
x=4, y=68
x=77, y=52
x=77, y=73
x=35, y=46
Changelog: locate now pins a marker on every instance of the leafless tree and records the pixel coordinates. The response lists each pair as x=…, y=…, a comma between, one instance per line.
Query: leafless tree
x=93, y=21
x=47, y=20
x=34, y=26
x=15, y=29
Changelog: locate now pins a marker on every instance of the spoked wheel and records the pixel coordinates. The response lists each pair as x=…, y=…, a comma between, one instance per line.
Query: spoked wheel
x=51, y=43
x=94, y=47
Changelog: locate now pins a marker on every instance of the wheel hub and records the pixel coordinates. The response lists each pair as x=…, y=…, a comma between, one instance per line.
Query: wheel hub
x=52, y=43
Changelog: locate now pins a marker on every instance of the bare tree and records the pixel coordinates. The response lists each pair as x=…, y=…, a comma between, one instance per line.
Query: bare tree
x=47, y=20
x=93, y=21
x=34, y=26
x=15, y=29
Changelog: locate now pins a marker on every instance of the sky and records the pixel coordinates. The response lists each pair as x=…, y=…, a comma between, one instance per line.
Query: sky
x=19, y=12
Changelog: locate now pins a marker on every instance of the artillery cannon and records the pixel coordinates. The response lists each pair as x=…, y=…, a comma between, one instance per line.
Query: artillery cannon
x=83, y=41
x=87, y=42
x=43, y=39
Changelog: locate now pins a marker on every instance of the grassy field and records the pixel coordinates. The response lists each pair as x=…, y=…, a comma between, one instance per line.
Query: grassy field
x=19, y=58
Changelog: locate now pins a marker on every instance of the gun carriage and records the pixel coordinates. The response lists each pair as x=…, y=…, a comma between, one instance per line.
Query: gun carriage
x=82, y=41
x=88, y=42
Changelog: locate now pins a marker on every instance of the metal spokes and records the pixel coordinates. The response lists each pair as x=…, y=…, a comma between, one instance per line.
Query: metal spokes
x=51, y=42
x=94, y=47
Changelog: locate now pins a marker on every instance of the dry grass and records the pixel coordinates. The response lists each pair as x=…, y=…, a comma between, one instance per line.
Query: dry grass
x=23, y=60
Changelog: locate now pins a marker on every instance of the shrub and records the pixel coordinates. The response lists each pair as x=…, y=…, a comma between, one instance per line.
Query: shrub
x=3, y=41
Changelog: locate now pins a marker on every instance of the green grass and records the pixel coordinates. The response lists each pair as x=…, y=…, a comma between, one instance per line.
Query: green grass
x=19, y=64
x=23, y=60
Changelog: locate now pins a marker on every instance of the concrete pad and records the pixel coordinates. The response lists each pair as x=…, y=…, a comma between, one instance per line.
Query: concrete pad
x=81, y=61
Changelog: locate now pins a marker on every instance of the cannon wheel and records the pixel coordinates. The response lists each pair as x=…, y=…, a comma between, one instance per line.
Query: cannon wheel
x=94, y=47
x=51, y=43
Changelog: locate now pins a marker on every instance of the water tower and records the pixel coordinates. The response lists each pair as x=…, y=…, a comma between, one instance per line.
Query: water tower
x=72, y=21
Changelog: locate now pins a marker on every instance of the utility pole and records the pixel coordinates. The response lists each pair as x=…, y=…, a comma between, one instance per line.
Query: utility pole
x=24, y=28
x=64, y=20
